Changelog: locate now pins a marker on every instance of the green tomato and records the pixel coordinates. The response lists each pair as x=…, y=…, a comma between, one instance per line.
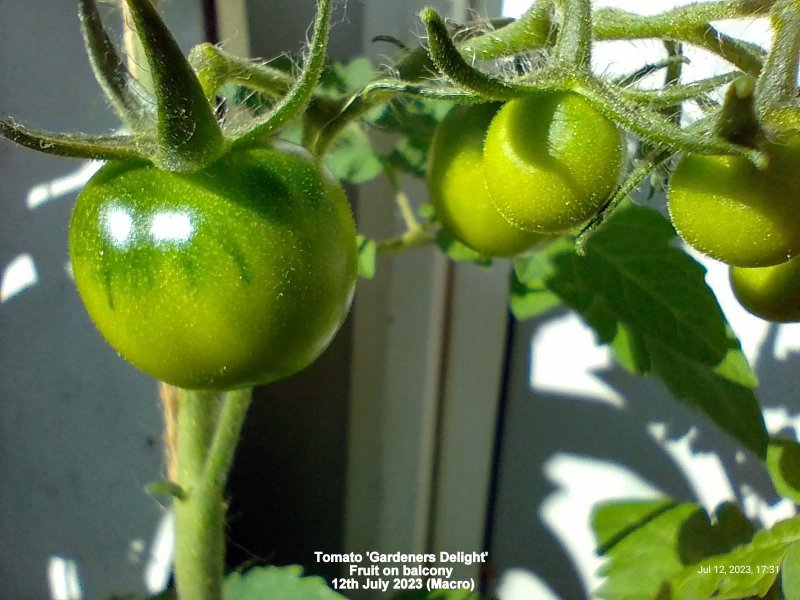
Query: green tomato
x=238, y=275
x=457, y=186
x=772, y=293
x=551, y=161
x=730, y=210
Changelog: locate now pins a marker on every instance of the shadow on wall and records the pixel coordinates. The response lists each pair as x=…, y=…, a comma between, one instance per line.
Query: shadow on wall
x=612, y=435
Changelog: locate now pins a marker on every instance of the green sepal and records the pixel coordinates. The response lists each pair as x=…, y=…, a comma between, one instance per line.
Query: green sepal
x=128, y=98
x=448, y=61
x=298, y=97
x=78, y=145
x=189, y=136
x=737, y=121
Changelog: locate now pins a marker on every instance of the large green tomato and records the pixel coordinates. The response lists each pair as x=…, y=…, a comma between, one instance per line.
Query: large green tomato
x=728, y=209
x=457, y=186
x=234, y=276
x=551, y=161
x=772, y=293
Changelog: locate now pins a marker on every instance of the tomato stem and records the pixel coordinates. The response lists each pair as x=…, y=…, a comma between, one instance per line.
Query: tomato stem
x=207, y=439
x=199, y=516
x=226, y=437
x=379, y=92
x=690, y=24
x=776, y=87
x=574, y=43
x=654, y=127
x=215, y=67
x=672, y=95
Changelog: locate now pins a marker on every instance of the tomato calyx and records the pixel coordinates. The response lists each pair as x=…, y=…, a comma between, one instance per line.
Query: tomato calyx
x=182, y=134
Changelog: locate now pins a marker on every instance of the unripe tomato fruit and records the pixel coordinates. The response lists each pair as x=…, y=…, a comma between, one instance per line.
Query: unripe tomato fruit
x=551, y=161
x=730, y=210
x=457, y=186
x=772, y=293
x=237, y=275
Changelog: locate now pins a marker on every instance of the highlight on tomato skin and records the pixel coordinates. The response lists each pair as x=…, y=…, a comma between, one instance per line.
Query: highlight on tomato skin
x=235, y=276
x=727, y=208
x=457, y=186
x=772, y=293
x=552, y=160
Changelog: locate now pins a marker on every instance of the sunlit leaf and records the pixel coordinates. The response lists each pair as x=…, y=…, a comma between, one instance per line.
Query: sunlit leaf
x=646, y=543
x=648, y=300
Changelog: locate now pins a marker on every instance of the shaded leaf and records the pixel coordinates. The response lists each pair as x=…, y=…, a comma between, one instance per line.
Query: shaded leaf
x=458, y=251
x=277, y=582
x=436, y=595
x=352, y=158
x=530, y=294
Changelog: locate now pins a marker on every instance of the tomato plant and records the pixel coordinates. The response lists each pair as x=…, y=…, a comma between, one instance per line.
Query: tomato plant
x=552, y=161
x=457, y=186
x=236, y=275
x=772, y=293
x=216, y=258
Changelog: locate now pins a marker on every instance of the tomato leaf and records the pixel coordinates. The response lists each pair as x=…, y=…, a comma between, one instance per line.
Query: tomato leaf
x=277, y=582
x=747, y=570
x=352, y=157
x=648, y=542
x=436, y=595
x=530, y=294
x=458, y=251
x=367, y=257
x=415, y=121
x=790, y=572
x=649, y=301
x=783, y=464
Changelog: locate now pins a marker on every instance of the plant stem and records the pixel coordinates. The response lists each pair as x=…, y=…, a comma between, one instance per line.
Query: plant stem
x=226, y=437
x=574, y=44
x=199, y=518
x=777, y=84
x=207, y=439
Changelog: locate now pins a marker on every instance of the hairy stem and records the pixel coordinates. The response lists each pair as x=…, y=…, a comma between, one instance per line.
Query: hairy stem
x=300, y=94
x=200, y=514
x=777, y=84
x=223, y=445
x=207, y=439
x=215, y=67
x=574, y=45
